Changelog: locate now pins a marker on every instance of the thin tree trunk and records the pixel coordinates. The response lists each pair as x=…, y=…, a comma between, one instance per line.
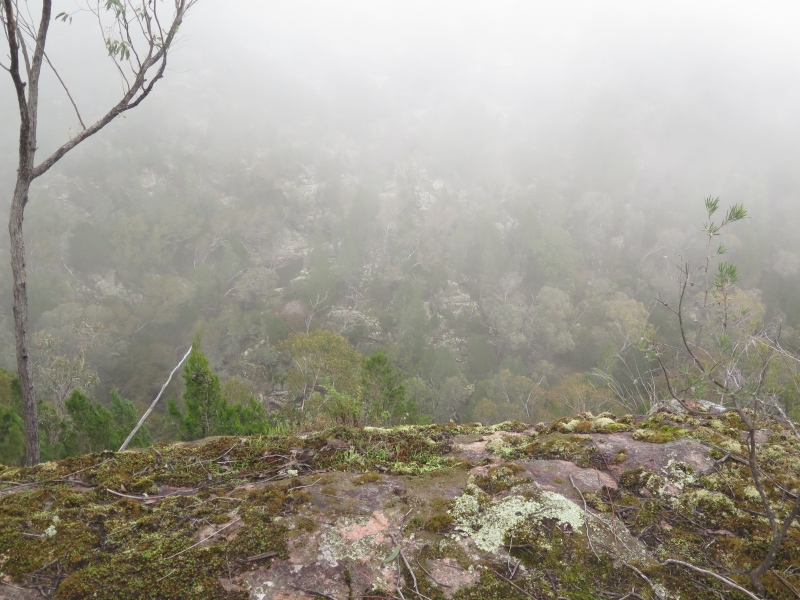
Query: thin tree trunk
x=27, y=91
x=24, y=367
x=28, y=113
x=774, y=547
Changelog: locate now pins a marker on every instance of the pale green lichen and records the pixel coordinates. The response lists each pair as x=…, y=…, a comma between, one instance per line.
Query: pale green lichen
x=423, y=464
x=334, y=547
x=465, y=510
x=654, y=484
x=679, y=474
x=707, y=501
x=601, y=422
x=751, y=493
x=500, y=447
x=489, y=526
x=731, y=446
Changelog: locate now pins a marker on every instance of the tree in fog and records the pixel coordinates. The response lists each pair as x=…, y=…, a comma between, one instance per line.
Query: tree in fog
x=138, y=39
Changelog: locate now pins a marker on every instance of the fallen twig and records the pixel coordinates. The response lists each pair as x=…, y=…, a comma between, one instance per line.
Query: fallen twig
x=432, y=578
x=788, y=585
x=717, y=576
x=408, y=566
x=64, y=478
x=586, y=521
x=132, y=497
x=305, y=486
x=646, y=578
x=221, y=529
x=260, y=556
x=313, y=592
x=224, y=454
x=514, y=585
x=165, y=576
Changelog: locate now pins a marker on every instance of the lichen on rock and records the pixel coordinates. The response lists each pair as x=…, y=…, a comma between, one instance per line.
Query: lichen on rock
x=240, y=519
x=488, y=524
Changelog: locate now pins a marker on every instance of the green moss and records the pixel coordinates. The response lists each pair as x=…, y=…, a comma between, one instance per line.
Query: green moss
x=490, y=587
x=612, y=428
x=125, y=548
x=368, y=477
x=575, y=448
x=501, y=447
x=439, y=503
x=261, y=534
x=306, y=524
x=439, y=522
x=659, y=434
x=510, y=426
x=500, y=478
x=634, y=479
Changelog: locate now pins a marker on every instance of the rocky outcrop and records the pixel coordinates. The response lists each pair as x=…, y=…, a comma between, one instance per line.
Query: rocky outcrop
x=587, y=507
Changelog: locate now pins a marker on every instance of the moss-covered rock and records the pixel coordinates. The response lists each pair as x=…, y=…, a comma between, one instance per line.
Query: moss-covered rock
x=584, y=508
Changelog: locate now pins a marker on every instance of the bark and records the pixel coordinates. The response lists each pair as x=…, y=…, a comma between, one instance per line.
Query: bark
x=27, y=92
x=28, y=112
x=24, y=367
x=774, y=547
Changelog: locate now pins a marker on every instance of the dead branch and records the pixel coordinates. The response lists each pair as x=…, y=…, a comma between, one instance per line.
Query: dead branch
x=313, y=593
x=260, y=556
x=408, y=566
x=717, y=576
x=646, y=578
x=153, y=403
x=66, y=89
x=514, y=585
x=218, y=531
x=585, y=520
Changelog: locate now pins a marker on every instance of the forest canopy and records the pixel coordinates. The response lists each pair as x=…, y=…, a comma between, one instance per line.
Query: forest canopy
x=433, y=230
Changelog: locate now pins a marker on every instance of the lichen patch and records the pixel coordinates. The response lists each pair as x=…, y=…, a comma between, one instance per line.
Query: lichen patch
x=489, y=524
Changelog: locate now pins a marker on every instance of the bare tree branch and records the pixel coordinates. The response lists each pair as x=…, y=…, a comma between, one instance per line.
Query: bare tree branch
x=153, y=403
x=138, y=91
x=66, y=89
x=716, y=576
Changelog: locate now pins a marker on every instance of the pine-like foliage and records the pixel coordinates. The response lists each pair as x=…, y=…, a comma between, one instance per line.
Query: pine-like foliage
x=202, y=397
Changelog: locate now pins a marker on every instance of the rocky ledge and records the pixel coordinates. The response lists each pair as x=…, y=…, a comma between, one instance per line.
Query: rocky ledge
x=586, y=507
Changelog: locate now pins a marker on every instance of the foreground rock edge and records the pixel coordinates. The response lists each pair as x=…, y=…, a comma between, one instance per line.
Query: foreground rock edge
x=585, y=507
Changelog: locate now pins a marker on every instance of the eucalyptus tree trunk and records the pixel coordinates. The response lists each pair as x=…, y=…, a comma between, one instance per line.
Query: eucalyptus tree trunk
x=28, y=102
x=24, y=367
x=145, y=65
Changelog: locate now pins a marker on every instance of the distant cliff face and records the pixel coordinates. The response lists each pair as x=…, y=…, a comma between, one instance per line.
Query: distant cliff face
x=587, y=507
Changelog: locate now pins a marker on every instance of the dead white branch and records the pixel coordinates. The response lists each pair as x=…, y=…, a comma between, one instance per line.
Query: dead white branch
x=153, y=404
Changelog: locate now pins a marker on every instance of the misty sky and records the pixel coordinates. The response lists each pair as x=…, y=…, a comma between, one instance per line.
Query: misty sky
x=685, y=87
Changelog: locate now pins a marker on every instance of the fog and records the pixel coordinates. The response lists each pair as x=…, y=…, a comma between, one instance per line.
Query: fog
x=476, y=184
x=710, y=89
